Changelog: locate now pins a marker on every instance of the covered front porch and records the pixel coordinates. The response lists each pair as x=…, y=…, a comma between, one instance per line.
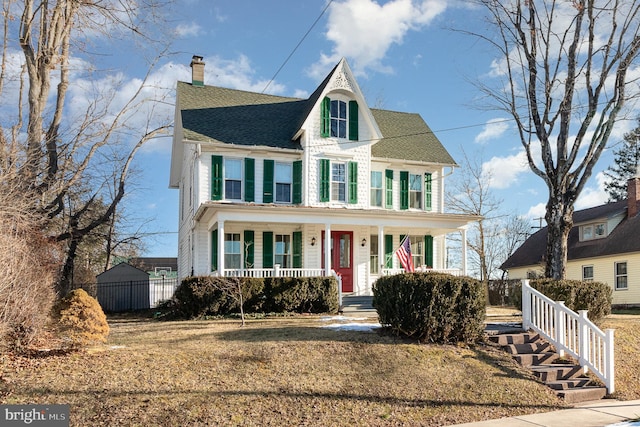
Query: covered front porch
x=358, y=246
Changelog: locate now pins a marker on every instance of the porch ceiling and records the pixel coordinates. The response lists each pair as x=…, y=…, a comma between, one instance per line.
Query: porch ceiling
x=437, y=223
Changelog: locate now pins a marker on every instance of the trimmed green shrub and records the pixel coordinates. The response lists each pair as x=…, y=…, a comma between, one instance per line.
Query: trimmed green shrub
x=81, y=320
x=595, y=297
x=431, y=307
x=301, y=294
x=210, y=296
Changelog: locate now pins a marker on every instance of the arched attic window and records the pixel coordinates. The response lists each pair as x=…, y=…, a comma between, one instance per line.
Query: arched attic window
x=339, y=119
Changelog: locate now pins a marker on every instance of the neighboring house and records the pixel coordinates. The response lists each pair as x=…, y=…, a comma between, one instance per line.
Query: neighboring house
x=272, y=185
x=603, y=246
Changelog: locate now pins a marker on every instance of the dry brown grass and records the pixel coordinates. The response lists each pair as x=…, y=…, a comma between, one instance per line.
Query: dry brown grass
x=272, y=372
x=627, y=354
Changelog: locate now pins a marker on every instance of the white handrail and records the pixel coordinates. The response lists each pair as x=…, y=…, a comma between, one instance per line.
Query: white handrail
x=571, y=332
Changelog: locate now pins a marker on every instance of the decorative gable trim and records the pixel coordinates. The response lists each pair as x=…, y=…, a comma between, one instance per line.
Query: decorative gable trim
x=340, y=80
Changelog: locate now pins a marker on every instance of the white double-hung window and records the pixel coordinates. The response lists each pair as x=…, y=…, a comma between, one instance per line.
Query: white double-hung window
x=284, y=179
x=233, y=179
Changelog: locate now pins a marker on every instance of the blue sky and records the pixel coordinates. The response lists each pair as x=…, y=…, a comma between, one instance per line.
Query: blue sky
x=406, y=54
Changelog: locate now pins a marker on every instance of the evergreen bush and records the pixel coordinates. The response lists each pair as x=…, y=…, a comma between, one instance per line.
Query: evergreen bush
x=431, y=307
x=210, y=296
x=595, y=297
x=81, y=320
x=301, y=294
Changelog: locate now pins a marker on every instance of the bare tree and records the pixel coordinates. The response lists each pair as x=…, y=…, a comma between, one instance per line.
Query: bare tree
x=470, y=194
x=566, y=68
x=514, y=230
x=73, y=160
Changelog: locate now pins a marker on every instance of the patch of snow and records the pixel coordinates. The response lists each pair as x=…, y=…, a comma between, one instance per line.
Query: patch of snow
x=115, y=347
x=354, y=326
x=340, y=318
x=625, y=424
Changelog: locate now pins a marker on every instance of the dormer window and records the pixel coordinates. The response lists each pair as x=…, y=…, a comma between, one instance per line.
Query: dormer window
x=593, y=231
x=339, y=119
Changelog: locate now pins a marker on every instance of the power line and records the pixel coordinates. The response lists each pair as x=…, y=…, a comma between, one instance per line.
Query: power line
x=297, y=46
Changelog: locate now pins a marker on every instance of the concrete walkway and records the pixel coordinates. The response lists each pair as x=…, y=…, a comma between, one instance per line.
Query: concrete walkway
x=590, y=414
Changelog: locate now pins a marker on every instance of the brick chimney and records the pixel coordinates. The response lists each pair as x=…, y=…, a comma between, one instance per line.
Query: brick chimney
x=633, y=193
x=197, y=71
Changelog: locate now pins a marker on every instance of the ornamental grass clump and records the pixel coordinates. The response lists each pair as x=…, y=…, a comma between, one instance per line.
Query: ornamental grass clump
x=81, y=321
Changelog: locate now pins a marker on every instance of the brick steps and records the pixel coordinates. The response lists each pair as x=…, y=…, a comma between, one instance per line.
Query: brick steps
x=565, y=379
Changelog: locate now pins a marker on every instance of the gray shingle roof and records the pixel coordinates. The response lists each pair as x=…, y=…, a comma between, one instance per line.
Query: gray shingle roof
x=407, y=137
x=215, y=114
x=618, y=241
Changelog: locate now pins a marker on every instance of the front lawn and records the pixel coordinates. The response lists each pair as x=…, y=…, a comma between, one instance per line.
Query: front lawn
x=287, y=371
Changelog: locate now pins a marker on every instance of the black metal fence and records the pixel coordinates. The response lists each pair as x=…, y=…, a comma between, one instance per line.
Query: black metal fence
x=131, y=295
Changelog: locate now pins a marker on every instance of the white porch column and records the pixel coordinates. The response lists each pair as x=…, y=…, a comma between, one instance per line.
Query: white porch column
x=221, y=247
x=327, y=249
x=464, y=251
x=381, y=260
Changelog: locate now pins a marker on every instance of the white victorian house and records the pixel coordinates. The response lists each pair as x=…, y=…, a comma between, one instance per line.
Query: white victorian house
x=272, y=185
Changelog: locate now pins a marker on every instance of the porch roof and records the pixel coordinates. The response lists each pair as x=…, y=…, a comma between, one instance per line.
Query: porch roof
x=435, y=223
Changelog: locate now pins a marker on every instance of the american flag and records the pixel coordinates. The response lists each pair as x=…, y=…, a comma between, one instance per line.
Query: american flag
x=404, y=255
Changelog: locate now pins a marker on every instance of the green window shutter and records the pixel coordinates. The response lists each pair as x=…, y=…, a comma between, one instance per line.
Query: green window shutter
x=297, y=182
x=267, y=249
x=404, y=190
x=216, y=177
x=428, y=251
x=214, y=250
x=267, y=188
x=249, y=179
x=325, y=118
x=388, y=184
x=353, y=182
x=427, y=191
x=388, y=251
x=297, y=249
x=353, y=120
x=248, y=249
x=324, y=180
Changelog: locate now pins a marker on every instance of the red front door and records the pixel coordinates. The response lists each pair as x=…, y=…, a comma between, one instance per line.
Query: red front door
x=341, y=257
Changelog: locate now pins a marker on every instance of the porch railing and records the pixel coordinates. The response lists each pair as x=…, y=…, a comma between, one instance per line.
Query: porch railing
x=570, y=332
x=276, y=271
x=392, y=271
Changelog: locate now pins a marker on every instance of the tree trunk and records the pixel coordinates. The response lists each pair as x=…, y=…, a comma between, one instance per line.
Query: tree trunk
x=66, y=276
x=559, y=218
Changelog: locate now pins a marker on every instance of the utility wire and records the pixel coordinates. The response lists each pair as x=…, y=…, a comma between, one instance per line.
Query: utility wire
x=297, y=46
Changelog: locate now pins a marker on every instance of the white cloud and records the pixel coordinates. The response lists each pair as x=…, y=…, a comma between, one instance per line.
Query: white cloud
x=494, y=128
x=364, y=30
x=188, y=30
x=504, y=171
x=237, y=74
x=593, y=196
x=537, y=211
